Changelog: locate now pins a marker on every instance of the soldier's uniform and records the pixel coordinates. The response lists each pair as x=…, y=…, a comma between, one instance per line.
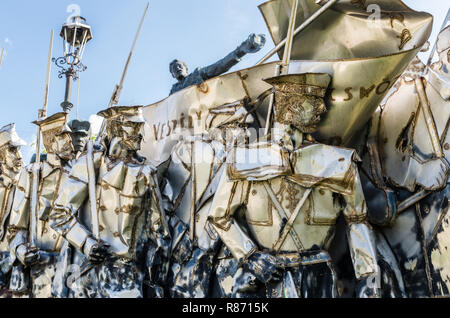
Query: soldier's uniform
x=196, y=165
x=292, y=200
x=48, y=241
x=8, y=182
x=129, y=213
x=401, y=162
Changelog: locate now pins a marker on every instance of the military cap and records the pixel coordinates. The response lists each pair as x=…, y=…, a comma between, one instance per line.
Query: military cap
x=79, y=126
x=9, y=135
x=315, y=84
x=55, y=123
x=123, y=113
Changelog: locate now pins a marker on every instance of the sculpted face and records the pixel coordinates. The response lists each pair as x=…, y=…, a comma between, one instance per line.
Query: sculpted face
x=179, y=70
x=63, y=146
x=132, y=135
x=303, y=112
x=79, y=141
x=11, y=157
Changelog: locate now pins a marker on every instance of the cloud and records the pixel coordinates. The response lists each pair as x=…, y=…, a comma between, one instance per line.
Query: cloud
x=8, y=41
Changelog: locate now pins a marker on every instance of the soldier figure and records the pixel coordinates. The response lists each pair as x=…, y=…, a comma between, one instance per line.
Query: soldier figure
x=42, y=257
x=293, y=190
x=131, y=221
x=80, y=135
x=179, y=69
x=10, y=166
x=408, y=182
x=196, y=165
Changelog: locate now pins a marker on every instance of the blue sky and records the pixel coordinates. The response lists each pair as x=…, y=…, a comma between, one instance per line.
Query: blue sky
x=196, y=31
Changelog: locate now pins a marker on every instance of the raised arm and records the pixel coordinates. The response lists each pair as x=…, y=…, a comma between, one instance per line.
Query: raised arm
x=252, y=45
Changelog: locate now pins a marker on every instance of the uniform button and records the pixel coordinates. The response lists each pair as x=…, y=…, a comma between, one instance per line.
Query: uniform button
x=446, y=146
x=45, y=230
x=100, y=228
x=54, y=236
x=117, y=211
x=254, y=192
x=116, y=234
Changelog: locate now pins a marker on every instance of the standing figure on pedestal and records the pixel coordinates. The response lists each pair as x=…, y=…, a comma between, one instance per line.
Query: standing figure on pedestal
x=131, y=221
x=293, y=190
x=10, y=166
x=196, y=164
x=179, y=69
x=407, y=180
x=40, y=258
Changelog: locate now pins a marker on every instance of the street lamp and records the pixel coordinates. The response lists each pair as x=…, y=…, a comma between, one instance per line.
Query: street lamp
x=75, y=33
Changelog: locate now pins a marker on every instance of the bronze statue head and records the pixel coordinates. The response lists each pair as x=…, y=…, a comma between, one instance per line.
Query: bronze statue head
x=178, y=69
x=80, y=133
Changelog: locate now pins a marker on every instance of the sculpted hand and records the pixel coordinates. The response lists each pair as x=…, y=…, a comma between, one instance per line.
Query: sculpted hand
x=434, y=174
x=183, y=251
x=263, y=266
x=27, y=255
x=96, y=251
x=369, y=287
x=253, y=44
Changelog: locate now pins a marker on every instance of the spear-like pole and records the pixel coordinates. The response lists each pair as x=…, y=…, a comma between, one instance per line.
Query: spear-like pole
x=118, y=88
x=42, y=114
x=284, y=67
x=303, y=26
x=447, y=18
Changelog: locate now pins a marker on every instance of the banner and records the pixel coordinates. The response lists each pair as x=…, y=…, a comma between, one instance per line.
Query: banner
x=364, y=61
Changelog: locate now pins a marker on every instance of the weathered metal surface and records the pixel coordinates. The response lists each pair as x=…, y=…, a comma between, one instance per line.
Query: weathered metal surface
x=357, y=87
x=314, y=187
x=416, y=178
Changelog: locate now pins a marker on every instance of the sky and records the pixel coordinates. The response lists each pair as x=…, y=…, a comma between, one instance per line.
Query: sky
x=199, y=32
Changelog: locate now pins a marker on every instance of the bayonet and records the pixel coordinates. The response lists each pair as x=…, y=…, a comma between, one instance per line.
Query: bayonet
x=1, y=56
x=284, y=67
x=42, y=114
x=118, y=88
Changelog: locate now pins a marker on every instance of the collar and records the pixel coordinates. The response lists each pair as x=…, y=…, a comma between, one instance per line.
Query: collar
x=439, y=82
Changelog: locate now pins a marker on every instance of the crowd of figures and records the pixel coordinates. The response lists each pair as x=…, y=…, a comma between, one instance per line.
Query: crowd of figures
x=285, y=216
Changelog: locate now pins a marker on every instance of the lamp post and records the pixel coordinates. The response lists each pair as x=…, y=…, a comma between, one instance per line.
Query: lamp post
x=75, y=33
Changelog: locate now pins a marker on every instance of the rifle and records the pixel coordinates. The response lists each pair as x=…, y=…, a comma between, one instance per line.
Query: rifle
x=114, y=100
x=42, y=114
